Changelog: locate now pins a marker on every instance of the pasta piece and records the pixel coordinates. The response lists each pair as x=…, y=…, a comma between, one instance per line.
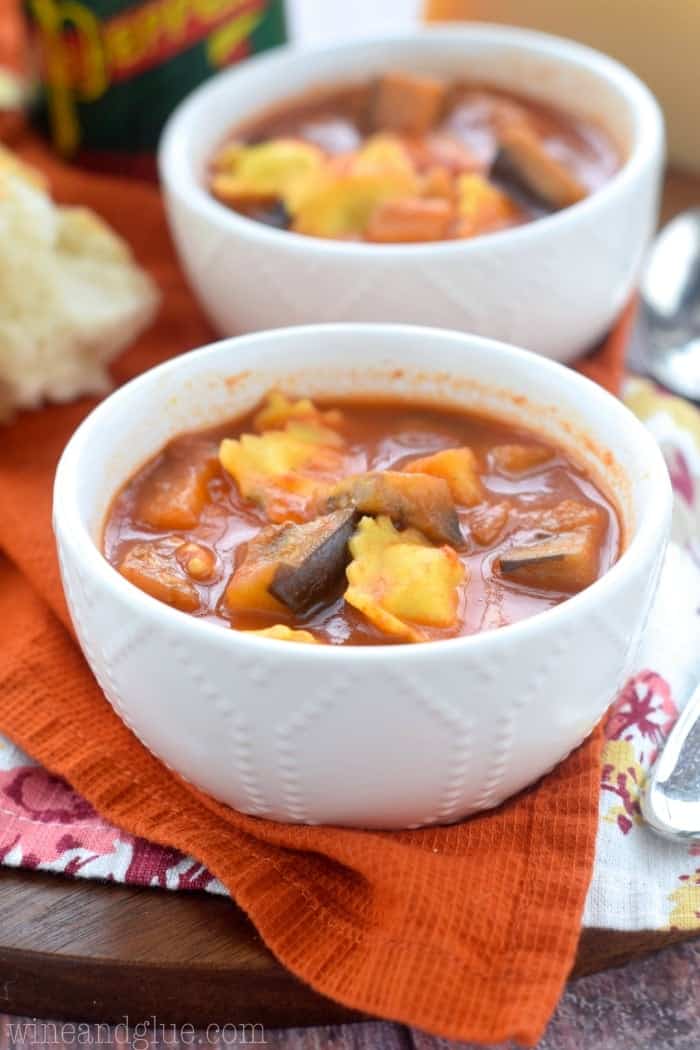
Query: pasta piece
x=279, y=410
x=286, y=634
x=264, y=172
x=283, y=471
x=400, y=582
x=341, y=205
x=313, y=433
x=482, y=206
x=381, y=154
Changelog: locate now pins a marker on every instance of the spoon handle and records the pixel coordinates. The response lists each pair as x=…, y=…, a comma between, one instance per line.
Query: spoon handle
x=671, y=801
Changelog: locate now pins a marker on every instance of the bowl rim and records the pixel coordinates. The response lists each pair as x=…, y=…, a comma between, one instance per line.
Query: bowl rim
x=178, y=178
x=70, y=529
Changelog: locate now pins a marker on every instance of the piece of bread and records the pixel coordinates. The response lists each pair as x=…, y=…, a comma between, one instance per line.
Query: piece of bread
x=71, y=295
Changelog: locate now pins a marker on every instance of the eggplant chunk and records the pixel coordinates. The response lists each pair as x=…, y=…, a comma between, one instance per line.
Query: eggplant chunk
x=417, y=500
x=151, y=566
x=292, y=565
x=524, y=162
x=247, y=590
x=315, y=559
x=567, y=562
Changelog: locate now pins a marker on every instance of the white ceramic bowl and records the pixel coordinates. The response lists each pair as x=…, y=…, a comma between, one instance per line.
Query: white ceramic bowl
x=554, y=286
x=386, y=736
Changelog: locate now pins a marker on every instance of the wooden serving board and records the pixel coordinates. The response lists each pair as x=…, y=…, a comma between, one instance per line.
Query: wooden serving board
x=89, y=951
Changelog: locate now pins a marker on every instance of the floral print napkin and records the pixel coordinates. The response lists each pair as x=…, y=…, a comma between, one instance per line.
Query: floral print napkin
x=640, y=881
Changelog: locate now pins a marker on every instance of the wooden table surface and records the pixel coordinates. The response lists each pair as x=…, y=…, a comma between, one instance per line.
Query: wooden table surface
x=83, y=950
x=650, y=1004
x=93, y=952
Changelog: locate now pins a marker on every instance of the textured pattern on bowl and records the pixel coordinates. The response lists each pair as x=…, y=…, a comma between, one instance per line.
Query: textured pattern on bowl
x=389, y=736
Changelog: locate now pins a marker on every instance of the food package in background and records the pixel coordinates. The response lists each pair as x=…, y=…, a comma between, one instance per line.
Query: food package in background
x=658, y=39
x=71, y=295
x=110, y=72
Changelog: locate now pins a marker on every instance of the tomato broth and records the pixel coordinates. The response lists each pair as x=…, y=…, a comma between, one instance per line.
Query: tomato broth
x=405, y=159
x=491, y=519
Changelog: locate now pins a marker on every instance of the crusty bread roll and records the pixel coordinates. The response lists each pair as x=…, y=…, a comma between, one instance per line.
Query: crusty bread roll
x=71, y=295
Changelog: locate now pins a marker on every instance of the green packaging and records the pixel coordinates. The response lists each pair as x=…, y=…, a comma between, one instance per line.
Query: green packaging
x=109, y=72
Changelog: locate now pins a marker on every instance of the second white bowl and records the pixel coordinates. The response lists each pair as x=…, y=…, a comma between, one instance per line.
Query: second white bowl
x=553, y=286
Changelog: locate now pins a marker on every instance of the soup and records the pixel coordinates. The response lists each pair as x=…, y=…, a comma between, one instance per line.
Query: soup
x=408, y=159
x=361, y=523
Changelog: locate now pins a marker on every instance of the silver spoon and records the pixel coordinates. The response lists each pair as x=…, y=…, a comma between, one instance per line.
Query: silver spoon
x=671, y=799
x=669, y=323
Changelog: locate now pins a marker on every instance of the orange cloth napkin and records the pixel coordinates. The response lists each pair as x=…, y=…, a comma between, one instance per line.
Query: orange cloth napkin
x=467, y=931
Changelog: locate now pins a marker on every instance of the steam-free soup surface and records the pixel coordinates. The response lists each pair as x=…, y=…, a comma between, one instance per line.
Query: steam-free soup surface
x=407, y=158
x=361, y=523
